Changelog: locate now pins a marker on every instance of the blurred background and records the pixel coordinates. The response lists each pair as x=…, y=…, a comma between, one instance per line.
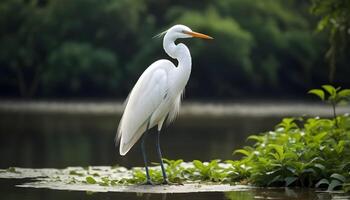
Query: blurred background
x=96, y=49
x=67, y=65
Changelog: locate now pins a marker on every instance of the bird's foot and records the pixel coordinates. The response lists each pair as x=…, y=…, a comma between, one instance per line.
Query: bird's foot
x=165, y=182
x=148, y=182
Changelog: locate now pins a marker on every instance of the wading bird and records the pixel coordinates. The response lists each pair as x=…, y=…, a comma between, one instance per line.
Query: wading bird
x=156, y=96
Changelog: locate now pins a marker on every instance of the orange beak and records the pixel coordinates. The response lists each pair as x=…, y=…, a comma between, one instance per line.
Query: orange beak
x=198, y=35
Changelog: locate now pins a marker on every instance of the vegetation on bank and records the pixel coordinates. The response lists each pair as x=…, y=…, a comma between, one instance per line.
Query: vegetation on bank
x=305, y=152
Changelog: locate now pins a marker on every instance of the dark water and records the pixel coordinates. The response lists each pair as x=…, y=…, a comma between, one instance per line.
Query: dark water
x=51, y=140
x=8, y=191
x=61, y=140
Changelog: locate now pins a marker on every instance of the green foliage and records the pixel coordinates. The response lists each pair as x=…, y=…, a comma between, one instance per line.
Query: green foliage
x=82, y=68
x=174, y=170
x=12, y=170
x=139, y=176
x=306, y=152
x=336, y=95
x=333, y=95
x=90, y=180
x=56, y=47
x=301, y=152
x=75, y=173
x=334, y=17
x=207, y=171
x=275, y=28
x=74, y=39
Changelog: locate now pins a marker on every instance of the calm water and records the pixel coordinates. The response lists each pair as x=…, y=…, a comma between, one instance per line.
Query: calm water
x=61, y=140
x=51, y=140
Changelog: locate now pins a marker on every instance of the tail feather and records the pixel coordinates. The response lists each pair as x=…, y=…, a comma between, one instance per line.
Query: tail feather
x=125, y=146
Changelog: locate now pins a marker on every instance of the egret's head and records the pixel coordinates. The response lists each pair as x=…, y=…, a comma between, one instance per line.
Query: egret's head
x=182, y=31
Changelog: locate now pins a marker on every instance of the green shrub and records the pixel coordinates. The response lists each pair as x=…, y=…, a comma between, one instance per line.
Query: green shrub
x=301, y=152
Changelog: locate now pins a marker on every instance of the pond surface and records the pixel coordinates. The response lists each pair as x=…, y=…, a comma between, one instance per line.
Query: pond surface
x=58, y=140
x=9, y=191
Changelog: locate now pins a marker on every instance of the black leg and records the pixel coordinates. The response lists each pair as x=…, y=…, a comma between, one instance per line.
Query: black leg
x=148, y=181
x=165, y=180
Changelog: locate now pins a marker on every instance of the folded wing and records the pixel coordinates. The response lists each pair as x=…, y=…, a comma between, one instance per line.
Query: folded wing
x=146, y=96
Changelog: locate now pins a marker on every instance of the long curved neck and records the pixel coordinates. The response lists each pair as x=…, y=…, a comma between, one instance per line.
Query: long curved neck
x=183, y=56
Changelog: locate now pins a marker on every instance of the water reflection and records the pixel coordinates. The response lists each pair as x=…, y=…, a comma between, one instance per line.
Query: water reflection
x=8, y=191
x=61, y=140
x=283, y=194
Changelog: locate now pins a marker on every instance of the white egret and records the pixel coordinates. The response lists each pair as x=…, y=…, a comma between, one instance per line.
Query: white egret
x=156, y=96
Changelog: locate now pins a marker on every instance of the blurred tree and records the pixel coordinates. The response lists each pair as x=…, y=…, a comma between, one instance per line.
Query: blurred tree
x=33, y=30
x=23, y=44
x=222, y=64
x=52, y=48
x=284, y=49
x=108, y=24
x=78, y=68
x=335, y=16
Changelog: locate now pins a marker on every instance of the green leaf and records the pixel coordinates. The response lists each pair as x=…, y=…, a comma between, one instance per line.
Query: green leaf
x=309, y=170
x=317, y=92
x=90, y=180
x=75, y=173
x=213, y=163
x=323, y=23
x=317, y=138
x=320, y=166
x=344, y=93
x=278, y=149
x=255, y=137
x=103, y=184
x=177, y=162
x=275, y=156
x=275, y=179
x=340, y=146
x=330, y=89
x=322, y=182
x=338, y=177
x=198, y=164
x=290, y=180
x=242, y=151
x=11, y=169
x=334, y=184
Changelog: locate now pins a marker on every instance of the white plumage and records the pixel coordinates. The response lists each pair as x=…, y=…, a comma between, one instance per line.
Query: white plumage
x=157, y=93
x=148, y=104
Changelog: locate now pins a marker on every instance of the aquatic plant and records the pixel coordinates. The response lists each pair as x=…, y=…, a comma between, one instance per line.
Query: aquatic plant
x=334, y=96
x=307, y=152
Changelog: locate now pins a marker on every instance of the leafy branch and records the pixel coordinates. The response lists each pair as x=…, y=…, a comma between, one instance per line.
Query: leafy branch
x=332, y=95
